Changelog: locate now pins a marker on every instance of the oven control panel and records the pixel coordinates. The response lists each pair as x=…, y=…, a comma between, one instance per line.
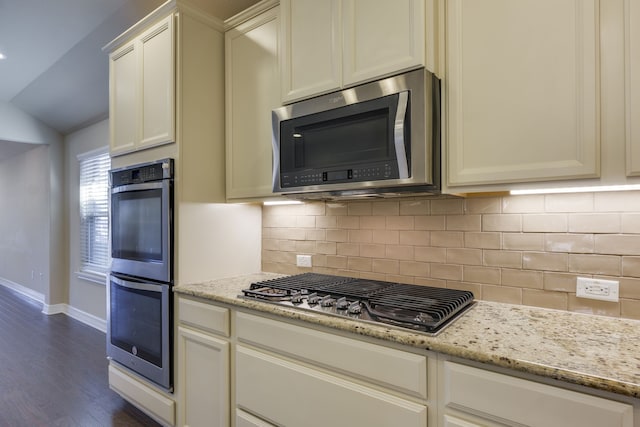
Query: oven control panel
x=146, y=172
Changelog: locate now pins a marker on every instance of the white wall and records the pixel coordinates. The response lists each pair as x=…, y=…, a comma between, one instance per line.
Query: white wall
x=84, y=295
x=24, y=219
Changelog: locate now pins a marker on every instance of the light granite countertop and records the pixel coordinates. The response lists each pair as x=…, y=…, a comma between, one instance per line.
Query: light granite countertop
x=594, y=351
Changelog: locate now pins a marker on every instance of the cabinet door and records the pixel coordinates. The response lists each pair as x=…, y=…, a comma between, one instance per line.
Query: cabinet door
x=203, y=373
x=158, y=84
x=252, y=91
x=632, y=27
x=522, y=90
x=291, y=394
x=312, y=53
x=381, y=37
x=123, y=99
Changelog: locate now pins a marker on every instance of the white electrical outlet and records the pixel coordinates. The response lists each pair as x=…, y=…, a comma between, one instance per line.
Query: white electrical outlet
x=605, y=290
x=303, y=260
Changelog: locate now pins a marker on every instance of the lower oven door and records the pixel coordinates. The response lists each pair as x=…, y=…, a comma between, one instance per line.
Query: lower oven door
x=139, y=327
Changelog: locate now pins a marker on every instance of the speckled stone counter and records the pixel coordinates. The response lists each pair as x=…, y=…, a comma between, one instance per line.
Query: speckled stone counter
x=594, y=351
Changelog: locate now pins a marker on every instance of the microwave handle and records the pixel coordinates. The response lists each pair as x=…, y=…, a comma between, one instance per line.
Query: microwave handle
x=398, y=134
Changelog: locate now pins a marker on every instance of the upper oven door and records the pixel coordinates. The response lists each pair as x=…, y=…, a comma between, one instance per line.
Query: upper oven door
x=141, y=230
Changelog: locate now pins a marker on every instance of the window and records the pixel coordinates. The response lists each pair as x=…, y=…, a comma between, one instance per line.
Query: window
x=94, y=212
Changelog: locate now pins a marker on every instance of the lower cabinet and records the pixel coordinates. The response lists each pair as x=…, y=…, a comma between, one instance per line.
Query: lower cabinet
x=155, y=403
x=203, y=364
x=244, y=369
x=205, y=379
x=475, y=397
x=291, y=394
x=247, y=420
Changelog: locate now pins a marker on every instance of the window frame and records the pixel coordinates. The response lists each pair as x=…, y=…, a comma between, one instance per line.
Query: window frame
x=87, y=270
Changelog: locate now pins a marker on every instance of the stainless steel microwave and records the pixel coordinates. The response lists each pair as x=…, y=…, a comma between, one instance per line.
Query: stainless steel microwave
x=377, y=139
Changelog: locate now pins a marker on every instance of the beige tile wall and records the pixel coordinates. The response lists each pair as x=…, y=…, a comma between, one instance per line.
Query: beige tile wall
x=516, y=249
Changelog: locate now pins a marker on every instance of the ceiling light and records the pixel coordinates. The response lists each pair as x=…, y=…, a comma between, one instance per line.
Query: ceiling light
x=597, y=188
x=2, y=55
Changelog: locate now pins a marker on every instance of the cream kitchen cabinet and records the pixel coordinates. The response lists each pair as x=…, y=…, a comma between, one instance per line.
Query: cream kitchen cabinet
x=632, y=92
x=142, y=90
x=203, y=364
x=252, y=91
x=472, y=397
x=521, y=90
x=290, y=375
x=337, y=43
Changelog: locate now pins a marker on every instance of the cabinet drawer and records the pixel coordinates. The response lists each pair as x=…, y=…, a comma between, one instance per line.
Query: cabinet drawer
x=144, y=397
x=514, y=400
x=403, y=371
x=204, y=316
x=289, y=394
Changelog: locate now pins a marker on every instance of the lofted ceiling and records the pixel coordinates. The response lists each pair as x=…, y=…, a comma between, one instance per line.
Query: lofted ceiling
x=55, y=69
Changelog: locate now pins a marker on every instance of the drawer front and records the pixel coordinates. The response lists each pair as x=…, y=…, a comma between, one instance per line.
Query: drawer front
x=289, y=394
x=204, y=316
x=247, y=420
x=144, y=397
x=403, y=371
x=514, y=400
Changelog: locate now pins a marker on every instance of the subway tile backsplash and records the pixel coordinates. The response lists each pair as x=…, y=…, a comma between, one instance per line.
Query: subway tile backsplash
x=516, y=249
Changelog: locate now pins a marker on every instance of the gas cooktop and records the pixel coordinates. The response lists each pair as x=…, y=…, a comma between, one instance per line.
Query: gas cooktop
x=418, y=308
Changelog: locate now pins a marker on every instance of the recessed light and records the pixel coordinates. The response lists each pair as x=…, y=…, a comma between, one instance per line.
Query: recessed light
x=2, y=55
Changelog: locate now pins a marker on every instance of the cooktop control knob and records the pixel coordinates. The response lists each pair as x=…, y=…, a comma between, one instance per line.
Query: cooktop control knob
x=354, y=308
x=327, y=301
x=342, y=303
x=296, y=297
x=313, y=299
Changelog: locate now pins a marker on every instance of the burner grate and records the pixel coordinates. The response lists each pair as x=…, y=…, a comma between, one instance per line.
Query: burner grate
x=358, y=288
x=309, y=281
x=420, y=304
x=417, y=307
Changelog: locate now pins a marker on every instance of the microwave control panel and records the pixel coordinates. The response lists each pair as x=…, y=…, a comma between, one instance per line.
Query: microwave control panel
x=371, y=172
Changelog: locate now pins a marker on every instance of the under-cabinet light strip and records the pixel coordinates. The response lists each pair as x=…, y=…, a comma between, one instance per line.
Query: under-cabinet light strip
x=281, y=202
x=596, y=188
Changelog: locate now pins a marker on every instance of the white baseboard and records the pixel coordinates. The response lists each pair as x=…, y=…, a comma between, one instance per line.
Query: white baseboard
x=82, y=316
x=28, y=292
x=86, y=318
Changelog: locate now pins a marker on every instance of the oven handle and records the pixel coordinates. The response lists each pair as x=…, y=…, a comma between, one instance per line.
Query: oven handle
x=138, y=187
x=143, y=286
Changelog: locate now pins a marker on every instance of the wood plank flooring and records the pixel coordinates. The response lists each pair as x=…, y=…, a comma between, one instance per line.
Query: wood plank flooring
x=53, y=371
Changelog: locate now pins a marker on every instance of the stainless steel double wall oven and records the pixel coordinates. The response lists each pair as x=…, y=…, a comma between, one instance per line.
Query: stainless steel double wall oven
x=139, y=315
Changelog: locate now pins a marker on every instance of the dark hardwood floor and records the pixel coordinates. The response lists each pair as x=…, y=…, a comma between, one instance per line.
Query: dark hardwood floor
x=53, y=371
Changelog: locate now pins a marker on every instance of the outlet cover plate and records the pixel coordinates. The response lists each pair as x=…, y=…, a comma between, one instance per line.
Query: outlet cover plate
x=303, y=260
x=604, y=290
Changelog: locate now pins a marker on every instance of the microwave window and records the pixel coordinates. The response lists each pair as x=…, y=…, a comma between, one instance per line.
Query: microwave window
x=136, y=321
x=340, y=138
x=344, y=141
x=137, y=227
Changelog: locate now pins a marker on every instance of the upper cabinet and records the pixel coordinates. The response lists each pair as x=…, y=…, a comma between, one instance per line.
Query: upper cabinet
x=166, y=80
x=521, y=90
x=252, y=91
x=142, y=78
x=336, y=43
x=632, y=92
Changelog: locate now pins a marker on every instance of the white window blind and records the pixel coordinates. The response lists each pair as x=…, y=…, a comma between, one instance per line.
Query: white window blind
x=94, y=212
